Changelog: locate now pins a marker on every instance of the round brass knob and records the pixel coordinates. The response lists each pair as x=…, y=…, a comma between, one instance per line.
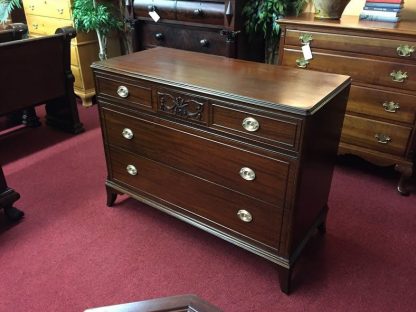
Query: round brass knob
x=197, y=12
x=244, y=215
x=131, y=170
x=122, y=91
x=251, y=124
x=204, y=43
x=159, y=36
x=127, y=133
x=247, y=174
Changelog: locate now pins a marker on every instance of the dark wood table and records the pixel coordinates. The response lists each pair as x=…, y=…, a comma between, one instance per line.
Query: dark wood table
x=180, y=303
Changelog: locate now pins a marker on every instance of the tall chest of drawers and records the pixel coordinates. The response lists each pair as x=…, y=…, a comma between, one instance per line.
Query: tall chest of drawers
x=43, y=18
x=209, y=26
x=238, y=157
x=379, y=125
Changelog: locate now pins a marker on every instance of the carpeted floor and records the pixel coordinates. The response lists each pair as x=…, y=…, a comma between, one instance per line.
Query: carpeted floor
x=71, y=252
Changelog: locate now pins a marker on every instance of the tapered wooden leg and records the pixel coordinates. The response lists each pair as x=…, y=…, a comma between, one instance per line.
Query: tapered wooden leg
x=285, y=276
x=111, y=196
x=406, y=173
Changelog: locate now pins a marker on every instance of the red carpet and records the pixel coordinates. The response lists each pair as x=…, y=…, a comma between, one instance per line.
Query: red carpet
x=71, y=252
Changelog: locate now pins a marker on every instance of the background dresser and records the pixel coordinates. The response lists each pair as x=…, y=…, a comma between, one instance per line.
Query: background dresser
x=43, y=18
x=381, y=59
x=208, y=26
x=238, y=157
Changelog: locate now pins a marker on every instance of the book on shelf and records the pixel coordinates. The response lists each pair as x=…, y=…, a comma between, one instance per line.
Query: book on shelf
x=385, y=1
x=383, y=5
x=383, y=9
x=380, y=13
x=378, y=18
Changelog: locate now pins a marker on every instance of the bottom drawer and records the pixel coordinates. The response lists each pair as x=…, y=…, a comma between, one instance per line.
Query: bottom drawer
x=375, y=135
x=199, y=197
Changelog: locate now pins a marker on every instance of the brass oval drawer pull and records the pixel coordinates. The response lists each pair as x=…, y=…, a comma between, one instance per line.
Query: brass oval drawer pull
x=127, y=133
x=405, y=50
x=204, y=43
x=305, y=38
x=244, y=215
x=131, y=170
x=391, y=107
x=251, y=124
x=302, y=63
x=122, y=91
x=247, y=174
x=398, y=76
x=382, y=138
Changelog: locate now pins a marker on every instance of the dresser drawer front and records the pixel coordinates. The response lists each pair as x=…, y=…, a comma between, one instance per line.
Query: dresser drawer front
x=373, y=71
x=351, y=43
x=164, y=8
x=367, y=133
x=178, y=37
x=280, y=131
x=210, y=160
x=182, y=105
x=200, y=12
x=382, y=104
x=52, y=8
x=196, y=196
x=139, y=95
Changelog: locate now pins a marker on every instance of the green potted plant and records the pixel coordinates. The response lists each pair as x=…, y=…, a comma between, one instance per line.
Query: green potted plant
x=260, y=18
x=6, y=7
x=99, y=16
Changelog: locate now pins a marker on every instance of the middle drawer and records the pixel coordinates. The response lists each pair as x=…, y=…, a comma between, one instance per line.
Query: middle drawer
x=241, y=170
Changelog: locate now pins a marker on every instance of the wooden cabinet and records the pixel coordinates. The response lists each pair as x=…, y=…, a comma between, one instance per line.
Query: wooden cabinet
x=209, y=26
x=240, y=149
x=43, y=18
x=379, y=125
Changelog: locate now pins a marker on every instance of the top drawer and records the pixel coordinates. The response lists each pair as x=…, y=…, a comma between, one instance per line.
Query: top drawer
x=200, y=12
x=50, y=8
x=401, y=49
x=164, y=8
x=277, y=130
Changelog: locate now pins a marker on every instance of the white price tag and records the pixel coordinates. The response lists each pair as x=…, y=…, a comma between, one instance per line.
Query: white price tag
x=307, y=53
x=154, y=16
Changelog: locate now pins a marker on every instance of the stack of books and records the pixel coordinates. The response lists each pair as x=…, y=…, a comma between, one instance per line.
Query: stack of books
x=382, y=10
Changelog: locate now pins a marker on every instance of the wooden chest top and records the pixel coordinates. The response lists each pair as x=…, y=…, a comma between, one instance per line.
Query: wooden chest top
x=279, y=87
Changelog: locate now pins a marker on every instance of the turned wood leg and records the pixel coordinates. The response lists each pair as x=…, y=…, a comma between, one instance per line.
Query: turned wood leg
x=285, y=276
x=406, y=173
x=111, y=196
x=29, y=118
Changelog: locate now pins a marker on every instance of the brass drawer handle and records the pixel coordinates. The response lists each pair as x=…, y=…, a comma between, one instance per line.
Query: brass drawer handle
x=244, y=215
x=35, y=26
x=198, y=12
x=398, y=76
x=382, y=138
x=302, y=63
x=305, y=38
x=391, y=107
x=204, y=43
x=251, y=124
x=405, y=50
x=159, y=36
x=131, y=170
x=127, y=133
x=31, y=6
x=151, y=8
x=122, y=91
x=247, y=174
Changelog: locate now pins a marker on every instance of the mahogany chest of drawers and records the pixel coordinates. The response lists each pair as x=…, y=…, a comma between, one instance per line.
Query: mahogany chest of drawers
x=247, y=157
x=209, y=26
x=379, y=125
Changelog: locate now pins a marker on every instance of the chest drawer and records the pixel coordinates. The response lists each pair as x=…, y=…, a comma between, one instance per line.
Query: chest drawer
x=180, y=37
x=376, y=135
x=240, y=170
x=378, y=71
x=352, y=43
x=199, y=197
x=278, y=130
x=164, y=8
x=382, y=104
x=53, y=8
x=200, y=12
x=131, y=93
